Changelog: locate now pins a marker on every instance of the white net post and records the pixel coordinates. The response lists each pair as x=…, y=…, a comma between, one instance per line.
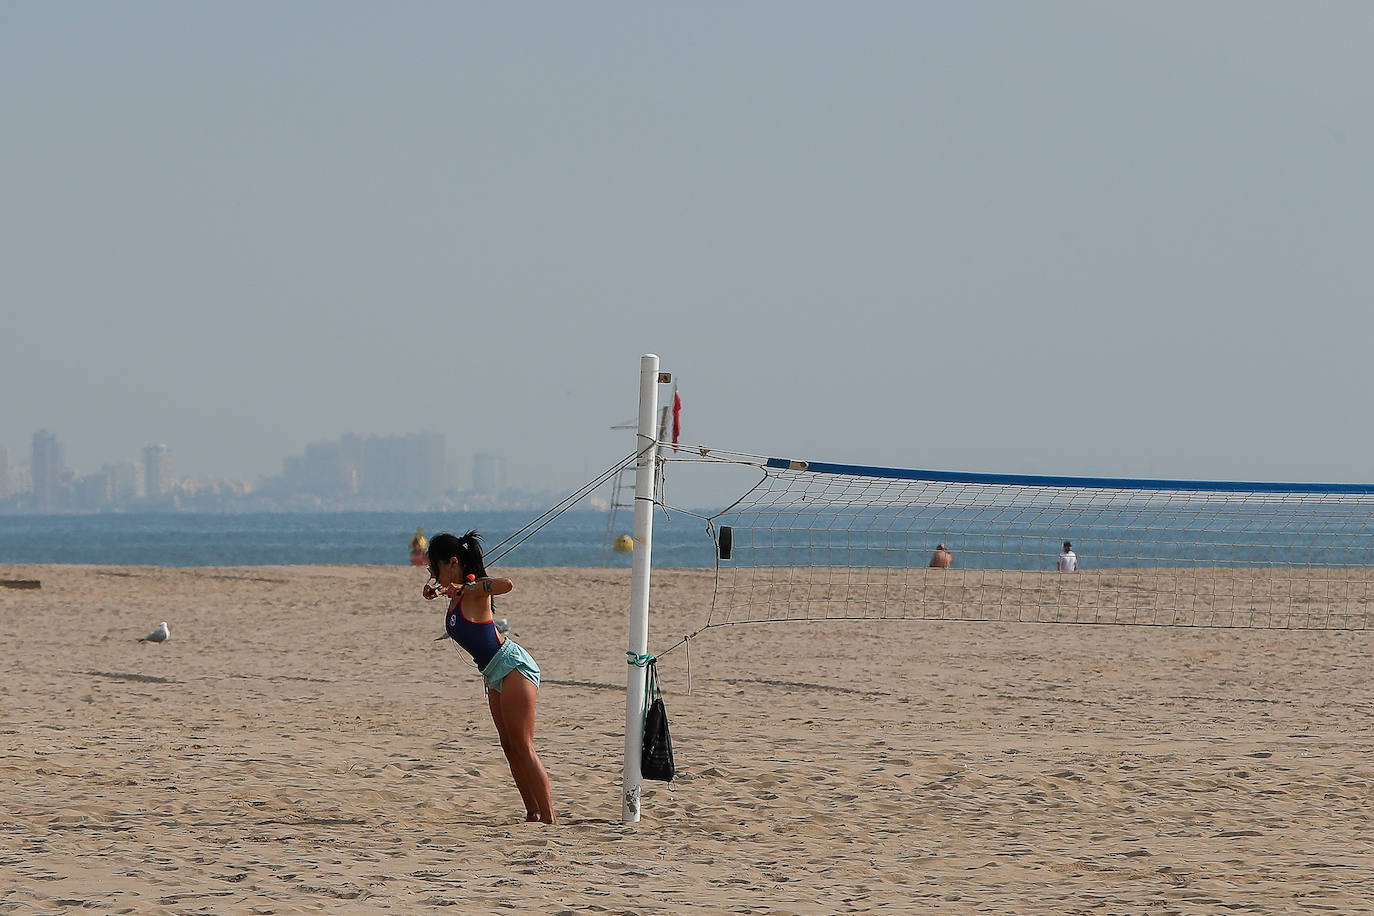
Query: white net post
x=638, y=644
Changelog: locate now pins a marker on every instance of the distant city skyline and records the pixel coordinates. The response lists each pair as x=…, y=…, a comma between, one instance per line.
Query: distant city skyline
x=411, y=469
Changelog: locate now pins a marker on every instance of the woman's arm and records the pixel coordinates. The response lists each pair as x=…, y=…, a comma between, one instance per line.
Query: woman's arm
x=491, y=586
x=488, y=586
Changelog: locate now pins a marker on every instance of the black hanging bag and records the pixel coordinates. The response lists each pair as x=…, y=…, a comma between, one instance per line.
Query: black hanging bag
x=656, y=761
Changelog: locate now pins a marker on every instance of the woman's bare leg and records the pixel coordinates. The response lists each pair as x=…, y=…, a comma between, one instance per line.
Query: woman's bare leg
x=517, y=740
x=531, y=804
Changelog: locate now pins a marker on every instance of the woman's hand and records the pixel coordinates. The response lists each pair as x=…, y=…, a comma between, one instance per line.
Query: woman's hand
x=456, y=590
x=430, y=592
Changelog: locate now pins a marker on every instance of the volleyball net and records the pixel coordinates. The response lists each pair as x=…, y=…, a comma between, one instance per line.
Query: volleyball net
x=818, y=541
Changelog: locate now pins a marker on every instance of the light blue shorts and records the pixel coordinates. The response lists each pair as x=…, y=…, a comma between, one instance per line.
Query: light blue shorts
x=508, y=658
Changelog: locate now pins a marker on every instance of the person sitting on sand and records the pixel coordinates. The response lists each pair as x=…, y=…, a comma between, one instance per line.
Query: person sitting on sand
x=510, y=673
x=942, y=558
x=419, y=548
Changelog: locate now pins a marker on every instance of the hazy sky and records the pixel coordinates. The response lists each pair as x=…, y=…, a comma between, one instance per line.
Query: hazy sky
x=1079, y=238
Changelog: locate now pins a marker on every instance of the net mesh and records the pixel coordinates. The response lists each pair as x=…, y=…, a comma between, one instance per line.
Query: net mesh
x=827, y=542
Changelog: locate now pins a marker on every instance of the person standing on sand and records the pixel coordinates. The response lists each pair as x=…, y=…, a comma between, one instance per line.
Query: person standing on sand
x=942, y=558
x=1068, y=560
x=510, y=673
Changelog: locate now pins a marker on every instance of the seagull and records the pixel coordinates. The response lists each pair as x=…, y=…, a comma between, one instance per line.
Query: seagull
x=161, y=634
x=502, y=626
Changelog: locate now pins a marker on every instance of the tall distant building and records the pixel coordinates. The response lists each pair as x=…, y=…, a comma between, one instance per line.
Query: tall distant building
x=126, y=480
x=94, y=491
x=46, y=467
x=327, y=470
x=157, y=469
x=488, y=473
x=431, y=467
x=351, y=462
x=407, y=468
x=21, y=479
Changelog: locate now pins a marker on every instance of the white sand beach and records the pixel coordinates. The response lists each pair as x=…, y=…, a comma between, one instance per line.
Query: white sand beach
x=303, y=744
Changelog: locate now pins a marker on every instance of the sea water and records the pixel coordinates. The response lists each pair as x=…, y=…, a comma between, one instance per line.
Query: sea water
x=1249, y=536
x=575, y=538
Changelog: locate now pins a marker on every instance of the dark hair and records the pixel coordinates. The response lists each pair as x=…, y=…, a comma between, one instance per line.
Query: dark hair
x=1068, y=546
x=468, y=549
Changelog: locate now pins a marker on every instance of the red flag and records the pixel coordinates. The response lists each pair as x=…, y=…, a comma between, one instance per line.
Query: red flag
x=677, y=418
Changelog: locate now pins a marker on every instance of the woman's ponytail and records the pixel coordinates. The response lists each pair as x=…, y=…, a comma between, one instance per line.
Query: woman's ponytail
x=470, y=554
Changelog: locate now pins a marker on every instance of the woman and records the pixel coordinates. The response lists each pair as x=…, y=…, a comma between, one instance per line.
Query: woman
x=511, y=675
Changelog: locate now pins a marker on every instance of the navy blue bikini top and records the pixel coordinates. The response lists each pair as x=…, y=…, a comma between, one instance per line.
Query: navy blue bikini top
x=479, y=639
